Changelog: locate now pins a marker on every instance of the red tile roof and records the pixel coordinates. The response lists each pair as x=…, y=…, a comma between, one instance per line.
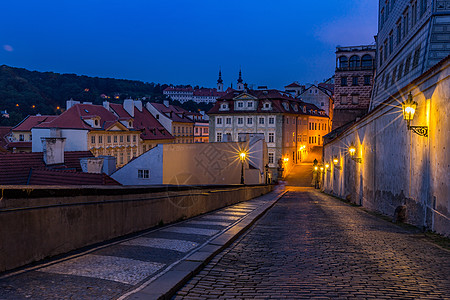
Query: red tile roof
x=67, y=177
x=277, y=98
x=11, y=145
x=120, y=111
x=294, y=84
x=15, y=168
x=31, y=121
x=151, y=128
x=208, y=93
x=4, y=131
x=175, y=113
x=74, y=116
x=177, y=89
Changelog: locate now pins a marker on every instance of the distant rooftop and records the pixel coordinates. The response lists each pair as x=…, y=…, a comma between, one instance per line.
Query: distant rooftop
x=356, y=48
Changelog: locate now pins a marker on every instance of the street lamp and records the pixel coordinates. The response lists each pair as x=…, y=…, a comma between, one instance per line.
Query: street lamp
x=352, y=151
x=409, y=108
x=335, y=160
x=267, y=173
x=242, y=157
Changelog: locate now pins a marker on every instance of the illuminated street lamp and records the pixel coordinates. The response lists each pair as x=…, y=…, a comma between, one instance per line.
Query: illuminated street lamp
x=352, y=151
x=242, y=157
x=409, y=109
x=335, y=160
x=327, y=165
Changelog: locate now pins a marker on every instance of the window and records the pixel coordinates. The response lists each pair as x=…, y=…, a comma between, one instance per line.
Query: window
x=219, y=121
x=219, y=137
x=240, y=121
x=343, y=81
x=400, y=70
x=405, y=22
x=93, y=139
x=261, y=121
x=416, y=58
x=224, y=106
x=121, y=158
x=354, y=61
x=109, y=139
x=381, y=56
x=96, y=122
x=240, y=104
x=100, y=139
x=322, y=104
x=385, y=49
x=196, y=130
x=130, y=124
x=386, y=82
x=413, y=13
x=271, y=120
x=21, y=137
x=250, y=104
x=343, y=99
x=355, y=80
x=366, y=79
x=228, y=120
x=134, y=138
x=391, y=42
x=399, y=31
x=128, y=138
x=271, y=137
x=115, y=139
x=343, y=62
x=266, y=105
x=423, y=7
x=182, y=128
x=249, y=121
x=367, y=61
x=121, y=138
x=355, y=99
x=144, y=174
x=407, y=64
x=394, y=73
x=271, y=157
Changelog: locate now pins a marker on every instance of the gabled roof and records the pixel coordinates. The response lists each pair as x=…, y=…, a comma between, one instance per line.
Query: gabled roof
x=173, y=112
x=150, y=127
x=178, y=89
x=20, y=168
x=320, y=89
x=31, y=121
x=208, y=93
x=294, y=84
x=281, y=103
x=74, y=116
x=328, y=86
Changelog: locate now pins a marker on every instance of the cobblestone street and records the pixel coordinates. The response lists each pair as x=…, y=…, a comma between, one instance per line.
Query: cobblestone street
x=310, y=245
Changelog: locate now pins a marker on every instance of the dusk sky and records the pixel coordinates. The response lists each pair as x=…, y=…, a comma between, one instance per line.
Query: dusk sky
x=185, y=42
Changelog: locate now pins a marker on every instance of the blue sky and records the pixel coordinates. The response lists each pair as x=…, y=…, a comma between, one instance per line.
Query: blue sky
x=185, y=42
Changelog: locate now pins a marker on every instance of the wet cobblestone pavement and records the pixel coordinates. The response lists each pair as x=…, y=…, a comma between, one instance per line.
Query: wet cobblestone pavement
x=113, y=270
x=310, y=245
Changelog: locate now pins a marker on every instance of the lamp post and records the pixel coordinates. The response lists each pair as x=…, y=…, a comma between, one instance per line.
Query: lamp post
x=242, y=157
x=409, y=108
x=267, y=173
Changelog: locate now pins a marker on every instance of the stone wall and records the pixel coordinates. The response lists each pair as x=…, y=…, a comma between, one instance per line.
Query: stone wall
x=398, y=167
x=40, y=222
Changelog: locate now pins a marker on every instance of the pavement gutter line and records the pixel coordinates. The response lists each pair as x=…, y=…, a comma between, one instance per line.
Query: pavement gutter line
x=173, y=289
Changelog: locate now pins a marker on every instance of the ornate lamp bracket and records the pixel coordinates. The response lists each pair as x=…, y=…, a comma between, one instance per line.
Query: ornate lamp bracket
x=419, y=130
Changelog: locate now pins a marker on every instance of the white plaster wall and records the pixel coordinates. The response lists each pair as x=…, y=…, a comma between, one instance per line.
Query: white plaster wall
x=151, y=160
x=399, y=167
x=76, y=140
x=165, y=121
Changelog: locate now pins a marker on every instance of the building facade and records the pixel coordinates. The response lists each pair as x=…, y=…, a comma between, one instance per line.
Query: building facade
x=291, y=127
x=320, y=97
x=353, y=83
x=413, y=35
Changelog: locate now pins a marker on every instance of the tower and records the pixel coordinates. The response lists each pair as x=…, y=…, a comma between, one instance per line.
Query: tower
x=220, y=82
x=240, y=82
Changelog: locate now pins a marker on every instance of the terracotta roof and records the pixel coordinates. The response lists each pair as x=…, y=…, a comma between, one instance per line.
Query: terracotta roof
x=151, y=128
x=11, y=145
x=4, y=131
x=31, y=121
x=15, y=167
x=120, y=111
x=208, y=93
x=42, y=176
x=175, y=113
x=74, y=116
x=294, y=84
x=328, y=86
x=281, y=103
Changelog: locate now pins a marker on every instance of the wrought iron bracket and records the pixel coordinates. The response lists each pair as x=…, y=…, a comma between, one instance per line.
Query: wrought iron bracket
x=419, y=130
x=357, y=159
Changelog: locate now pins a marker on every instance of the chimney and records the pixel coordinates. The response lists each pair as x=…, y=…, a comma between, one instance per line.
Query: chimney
x=106, y=104
x=138, y=105
x=109, y=164
x=53, y=148
x=166, y=103
x=70, y=103
x=92, y=164
x=128, y=105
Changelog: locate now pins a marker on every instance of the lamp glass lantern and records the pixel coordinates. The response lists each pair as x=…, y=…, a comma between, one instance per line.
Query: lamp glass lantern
x=409, y=108
x=352, y=150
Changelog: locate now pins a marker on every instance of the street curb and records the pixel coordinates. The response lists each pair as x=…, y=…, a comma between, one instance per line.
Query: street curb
x=165, y=286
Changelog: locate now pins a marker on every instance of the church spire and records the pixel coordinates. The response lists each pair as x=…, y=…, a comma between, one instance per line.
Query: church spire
x=240, y=82
x=220, y=82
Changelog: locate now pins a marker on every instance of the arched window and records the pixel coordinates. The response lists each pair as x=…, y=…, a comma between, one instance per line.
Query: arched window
x=367, y=61
x=343, y=62
x=354, y=61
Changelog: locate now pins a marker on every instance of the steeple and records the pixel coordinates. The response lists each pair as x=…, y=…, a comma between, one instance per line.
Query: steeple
x=220, y=82
x=240, y=84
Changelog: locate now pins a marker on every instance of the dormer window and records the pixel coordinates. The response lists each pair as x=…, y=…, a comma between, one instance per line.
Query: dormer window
x=267, y=105
x=286, y=105
x=130, y=124
x=250, y=104
x=240, y=104
x=295, y=107
x=96, y=123
x=224, y=106
x=304, y=109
